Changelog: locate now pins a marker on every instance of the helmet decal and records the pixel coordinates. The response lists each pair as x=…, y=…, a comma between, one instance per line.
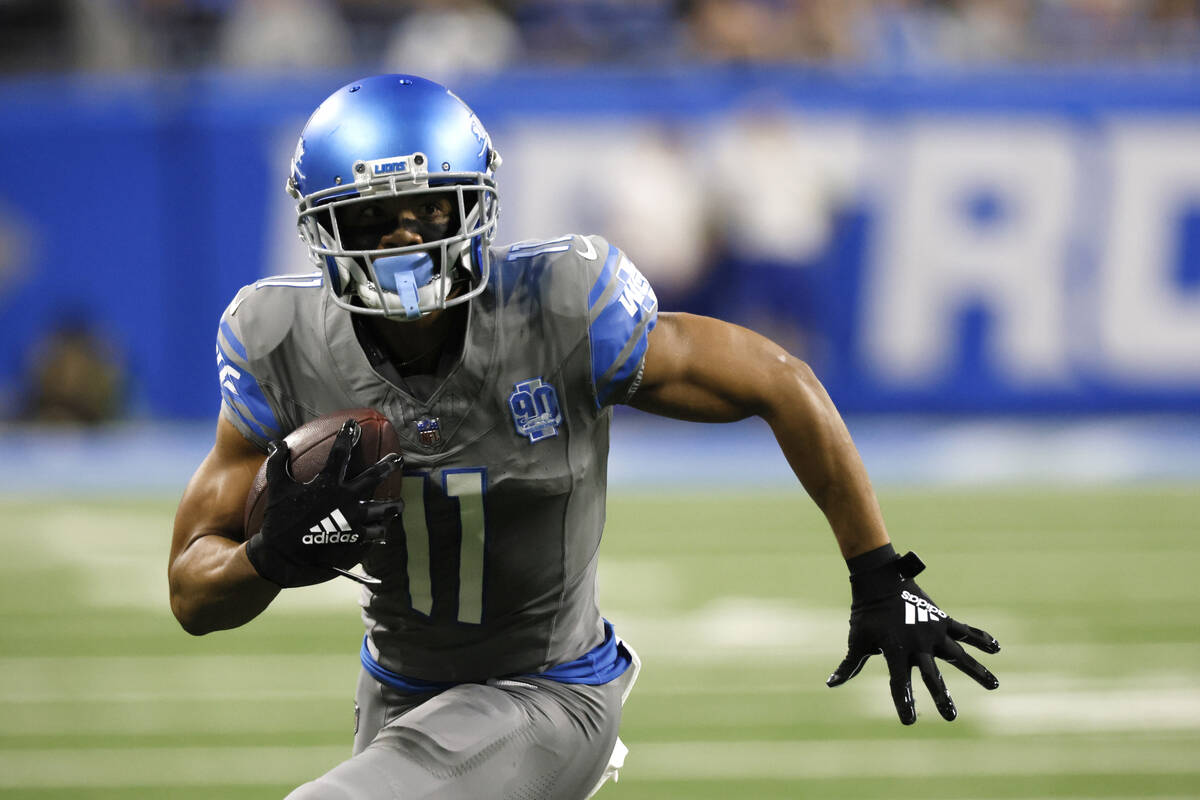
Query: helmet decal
x=297, y=157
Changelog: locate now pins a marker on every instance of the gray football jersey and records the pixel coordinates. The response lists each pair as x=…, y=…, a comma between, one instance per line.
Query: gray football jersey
x=505, y=458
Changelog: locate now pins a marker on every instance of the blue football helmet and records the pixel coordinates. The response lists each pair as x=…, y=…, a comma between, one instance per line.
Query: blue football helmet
x=387, y=137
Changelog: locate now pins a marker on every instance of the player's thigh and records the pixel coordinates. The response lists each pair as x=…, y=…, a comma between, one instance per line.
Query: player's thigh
x=524, y=739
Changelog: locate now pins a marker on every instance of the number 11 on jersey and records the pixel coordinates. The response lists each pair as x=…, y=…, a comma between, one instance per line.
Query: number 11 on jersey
x=467, y=487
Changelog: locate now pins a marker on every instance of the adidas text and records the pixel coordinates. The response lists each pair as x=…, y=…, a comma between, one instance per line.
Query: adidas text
x=325, y=537
x=918, y=609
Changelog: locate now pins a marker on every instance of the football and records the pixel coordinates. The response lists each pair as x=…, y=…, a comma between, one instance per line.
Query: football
x=309, y=447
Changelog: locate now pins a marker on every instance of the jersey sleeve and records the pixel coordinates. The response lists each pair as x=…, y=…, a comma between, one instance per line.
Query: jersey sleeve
x=243, y=401
x=622, y=310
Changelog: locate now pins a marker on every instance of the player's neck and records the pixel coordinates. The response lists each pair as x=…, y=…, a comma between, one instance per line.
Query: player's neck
x=418, y=347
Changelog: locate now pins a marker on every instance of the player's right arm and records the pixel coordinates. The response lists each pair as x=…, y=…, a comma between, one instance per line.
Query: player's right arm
x=213, y=584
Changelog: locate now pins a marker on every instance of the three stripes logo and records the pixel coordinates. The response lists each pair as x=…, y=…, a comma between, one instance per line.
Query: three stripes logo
x=334, y=529
x=918, y=609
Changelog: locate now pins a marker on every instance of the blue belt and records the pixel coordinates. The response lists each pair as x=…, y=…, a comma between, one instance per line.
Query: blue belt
x=603, y=663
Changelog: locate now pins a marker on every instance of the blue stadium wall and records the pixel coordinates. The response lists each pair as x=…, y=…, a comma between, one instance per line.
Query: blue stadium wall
x=1001, y=243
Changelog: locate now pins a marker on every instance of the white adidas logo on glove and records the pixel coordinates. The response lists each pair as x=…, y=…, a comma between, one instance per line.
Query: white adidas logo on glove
x=334, y=529
x=918, y=609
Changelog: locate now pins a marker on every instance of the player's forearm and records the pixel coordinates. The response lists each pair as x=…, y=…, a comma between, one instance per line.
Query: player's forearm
x=817, y=445
x=214, y=586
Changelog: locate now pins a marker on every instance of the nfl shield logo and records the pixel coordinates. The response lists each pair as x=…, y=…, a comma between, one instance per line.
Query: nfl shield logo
x=535, y=410
x=430, y=431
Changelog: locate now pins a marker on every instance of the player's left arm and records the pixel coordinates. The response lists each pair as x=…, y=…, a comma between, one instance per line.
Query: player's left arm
x=702, y=369
x=705, y=370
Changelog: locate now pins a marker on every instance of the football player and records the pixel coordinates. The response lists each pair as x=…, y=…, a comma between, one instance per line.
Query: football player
x=488, y=670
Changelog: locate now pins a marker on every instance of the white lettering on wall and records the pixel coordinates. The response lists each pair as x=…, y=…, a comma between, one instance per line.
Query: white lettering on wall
x=1149, y=329
x=973, y=213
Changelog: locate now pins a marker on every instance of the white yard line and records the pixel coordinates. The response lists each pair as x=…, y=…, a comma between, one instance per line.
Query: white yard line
x=892, y=758
x=164, y=766
x=660, y=761
x=1129, y=709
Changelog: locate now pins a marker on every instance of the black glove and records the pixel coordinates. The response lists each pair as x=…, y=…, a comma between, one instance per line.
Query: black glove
x=890, y=614
x=312, y=532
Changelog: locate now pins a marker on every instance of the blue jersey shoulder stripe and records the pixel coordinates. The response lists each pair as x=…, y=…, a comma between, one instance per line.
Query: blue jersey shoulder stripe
x=233, y=340
x=622, y=316
x=605, y=277
x=241, y=392
x=624, y=365
x=249, y=423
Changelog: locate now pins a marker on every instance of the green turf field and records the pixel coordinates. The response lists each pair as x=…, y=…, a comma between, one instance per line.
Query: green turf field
x=737, y=604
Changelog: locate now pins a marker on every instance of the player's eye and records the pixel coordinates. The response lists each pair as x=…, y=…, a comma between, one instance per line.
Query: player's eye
x=434, y=210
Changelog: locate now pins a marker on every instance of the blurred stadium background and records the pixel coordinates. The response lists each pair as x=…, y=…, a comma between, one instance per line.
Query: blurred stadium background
x=979, y=221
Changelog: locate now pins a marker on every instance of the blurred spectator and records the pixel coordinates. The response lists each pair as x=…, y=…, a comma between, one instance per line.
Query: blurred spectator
x=1175, y=29
x=731, y=30
x=34, y=35
x=183, y=33
x=898, y=34
x=981, y=31
x=1079, y=30
x=1087, y=30
x=370, y=23
x=108, y=36
x=822, y=29
x=284, y=34
x=775, y=31
x=442, y=38
x=617, y=32
x=75, y=378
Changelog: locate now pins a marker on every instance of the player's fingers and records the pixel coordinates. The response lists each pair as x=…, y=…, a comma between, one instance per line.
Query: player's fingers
x=900, y=681
x=936, y=686
x=851, y=665
x=373, y=518
x=365, y=482
x=277, y=459
x=953, y=653
x=374, y=534
x=339, y=454
x=973, y=636
x=371, y=512
x=389, y=463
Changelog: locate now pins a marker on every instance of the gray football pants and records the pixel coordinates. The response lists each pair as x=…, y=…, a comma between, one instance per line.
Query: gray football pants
x=510, y=739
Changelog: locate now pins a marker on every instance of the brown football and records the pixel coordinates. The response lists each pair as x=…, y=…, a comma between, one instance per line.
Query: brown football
x=309, y=447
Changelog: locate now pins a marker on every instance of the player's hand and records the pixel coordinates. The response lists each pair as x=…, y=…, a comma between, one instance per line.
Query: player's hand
x=312, y=532
x=890, y=614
